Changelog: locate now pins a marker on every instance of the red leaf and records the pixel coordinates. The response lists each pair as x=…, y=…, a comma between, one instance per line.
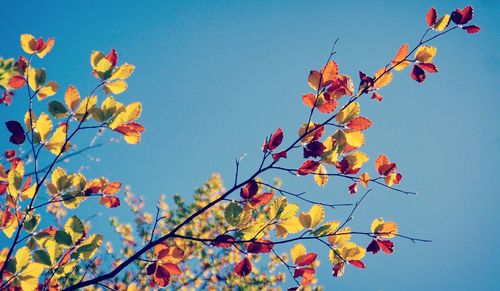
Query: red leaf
x=430, y=17
x=112, y=57
x=307, y=168
x=357, y=264
x=260, y=246
x=344, y=168
x=17, y=82
x=162, y=276
x=243, y=268
x=6, y=217
x=429, y=67
x=261, y=199
x=353, y=188
x=299, y=272
x=359, y=123
x=373, y=247
x=386, y=246
x=314, y=149
x=150, y=269
x=307, y=259
x=249, y=190
x=223, y=241
x=472, y=29
x=309, y=99
x=417, y=74
x=3, y=188
x=279, y=155
x=377, y=96
x=9, y=154
x=338, y=270
x=275, y=140
x=462, y=16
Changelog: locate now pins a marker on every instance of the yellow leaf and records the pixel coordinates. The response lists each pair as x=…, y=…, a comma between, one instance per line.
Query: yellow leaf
x=103, y=65
x=330, y=155
x=348, y=113
x=28, y=43
x=11, y=227
x=28, y=193
x=74, y=227
x=356, y=159
x=36, y=77
x=95, y=57
x=310, y=136
x=313, y=217
x=391, y=179
x=108, y=107
x=290, y=225
x=340, y=237
x=23, y=258
x=60, y=179
x=425, y=54
x=384, y=229
x=122, y=72
x=29, y=277
x=354, y=138
x=71, y=97
x=276, y=207
x=15, y=179
x=442, y=23
x=115, y=87
x=43, y=126
x=47, y=47
x=289, y=211
x=53, y=249
x=347, y=252
x=321, y=177
x=364, y=179
x=383, y=77
x=85, y=106
x=30, y=123
x=56, y=142
x=253, y=231
x=297, y=251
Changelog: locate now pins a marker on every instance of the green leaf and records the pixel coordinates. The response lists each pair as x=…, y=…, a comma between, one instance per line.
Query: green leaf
x=57, y=109
x=233, y=213
x=63, y=238
x=74, y=227
x=42, y=257
x=32, y=223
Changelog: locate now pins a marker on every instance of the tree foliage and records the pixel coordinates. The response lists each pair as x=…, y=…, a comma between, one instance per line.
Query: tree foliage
x=220, y=240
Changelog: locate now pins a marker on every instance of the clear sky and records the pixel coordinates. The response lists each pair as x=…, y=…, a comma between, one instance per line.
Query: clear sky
x=216, y=78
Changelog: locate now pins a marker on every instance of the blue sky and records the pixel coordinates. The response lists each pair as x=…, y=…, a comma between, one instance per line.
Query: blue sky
x=216, y=78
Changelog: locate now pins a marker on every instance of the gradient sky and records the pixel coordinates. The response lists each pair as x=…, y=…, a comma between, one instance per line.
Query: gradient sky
x=215, y=79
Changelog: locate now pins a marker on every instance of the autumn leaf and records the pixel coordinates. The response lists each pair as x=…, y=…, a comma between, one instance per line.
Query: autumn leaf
x=243, y=268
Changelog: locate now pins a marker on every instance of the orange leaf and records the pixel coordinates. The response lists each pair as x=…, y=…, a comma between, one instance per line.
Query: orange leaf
x=329, y=73
x=109, y=201
x=383, y=166
x=399, y=62
x=314, y=79
x=377, y=96
x=359, y=123
x=309, y=99
x=261, y=199
x=364, y=179
x=112, y=188
x=383, y=77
